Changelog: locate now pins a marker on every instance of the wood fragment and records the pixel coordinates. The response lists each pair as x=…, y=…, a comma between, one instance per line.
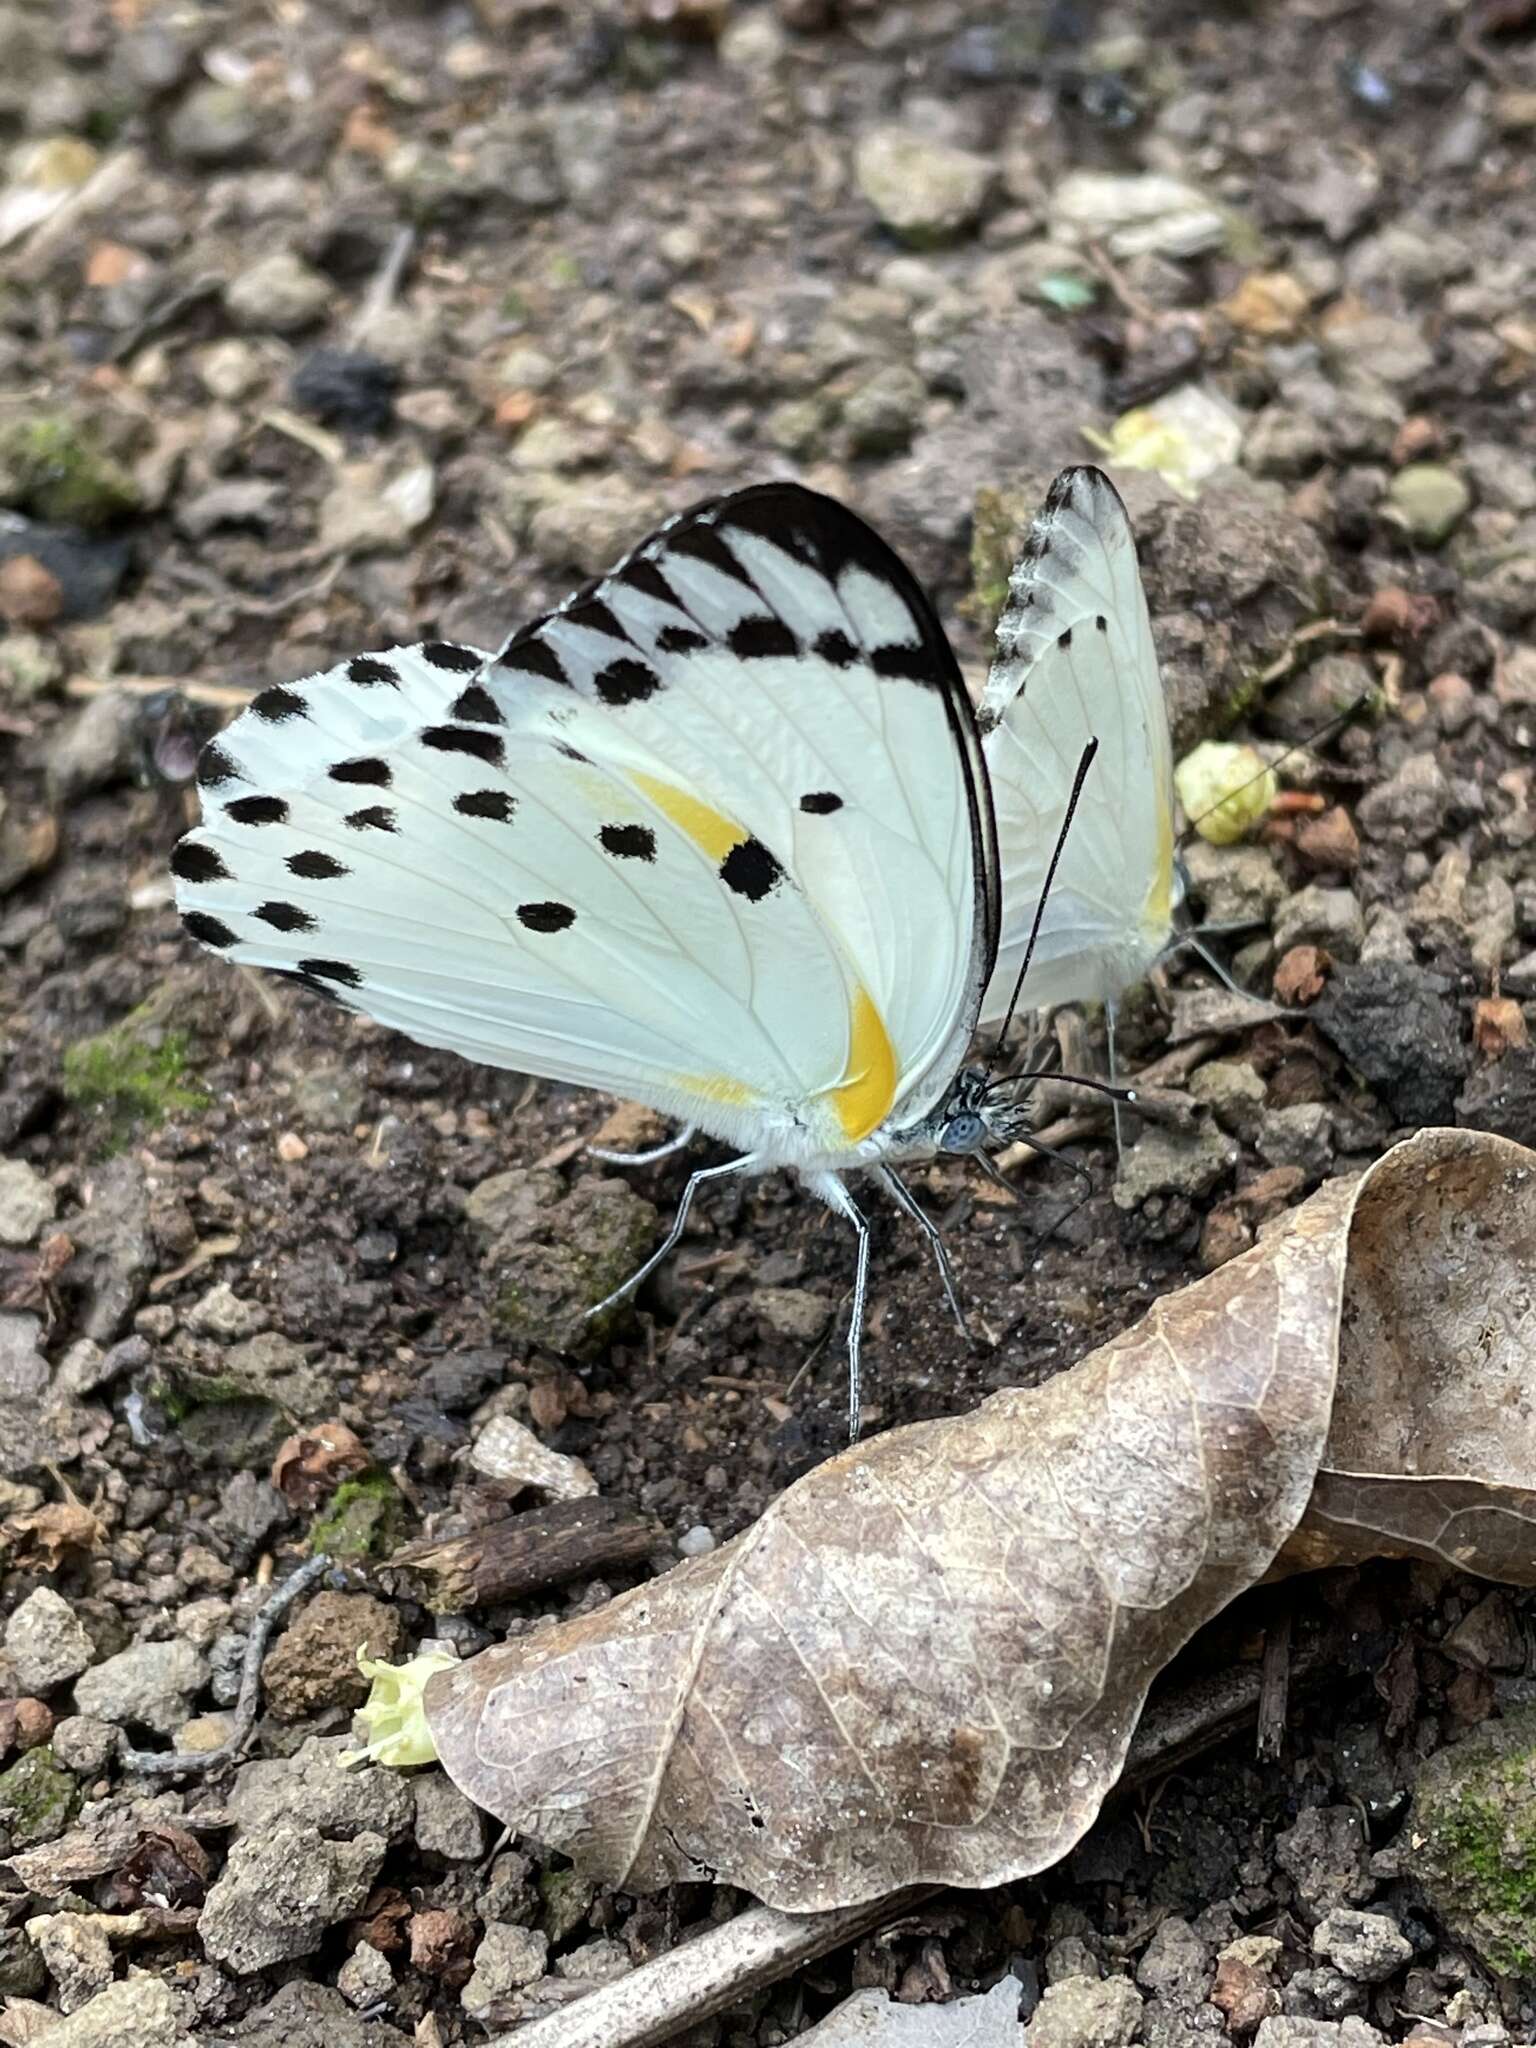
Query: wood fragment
x=1274, y=1688
x=520, y=1554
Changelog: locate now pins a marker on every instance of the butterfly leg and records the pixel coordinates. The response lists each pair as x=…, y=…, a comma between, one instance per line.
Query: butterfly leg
x=668, y=1244
x=1111, y=1011
x=647, y=1158
x=907, y=1202
x=829, y=1189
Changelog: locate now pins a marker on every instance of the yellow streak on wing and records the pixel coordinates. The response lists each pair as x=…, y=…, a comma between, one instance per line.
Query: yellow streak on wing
x=707, y=828
x=1157, y=911
x=862, y=1099
x=717, y=1088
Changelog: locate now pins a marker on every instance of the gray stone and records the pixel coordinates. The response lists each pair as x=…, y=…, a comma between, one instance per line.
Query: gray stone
x=882, y=413
x=1170, y=1162
x=1411, y=807
x=281, y=1890
x=1396, y=1027
x=1324, y=1854
x=95, y=747
x=1288, y=2032
x=1388, y=938
x=78, y=1956
x=447, y=1824
x=1177, y=1964
x=595, y=1962
x=149, y=1685
x=1301, y=1135
x=508, y=1958
x=221, y=1313
x=140, y=2012
x=46, y=1643
x=924, y=191
x=1233, y=1092
x=1503, y=475
x=794, y=1313
x=1489, y=1637
x=1368, y=1947
x=214, y=124
x=27, y=1203
x=1237, y=885
x=335, y=1803
x=1428, y=501
x=1087, y=2012
x=84, y=1746
x=306, y=2015
x=1319, y=916
x=365, y=1978
x=278, y=294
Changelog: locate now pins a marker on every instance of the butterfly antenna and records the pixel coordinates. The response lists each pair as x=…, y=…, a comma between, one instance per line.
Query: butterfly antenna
x=1336, y=724
x=999, y=1180
x=1115, y=1092
x=1045, y=891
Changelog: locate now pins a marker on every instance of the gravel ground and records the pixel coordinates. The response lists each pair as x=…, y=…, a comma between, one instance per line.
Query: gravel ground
x=322, y=328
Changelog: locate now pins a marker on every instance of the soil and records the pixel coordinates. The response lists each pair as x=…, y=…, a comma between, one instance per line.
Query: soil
x=602, y=263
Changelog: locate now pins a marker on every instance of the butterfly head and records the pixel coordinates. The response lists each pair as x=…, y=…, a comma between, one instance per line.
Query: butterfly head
x=979, y=1114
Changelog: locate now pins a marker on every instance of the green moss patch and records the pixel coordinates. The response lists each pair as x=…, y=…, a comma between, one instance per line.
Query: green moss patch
x=132, y=1077
x=1473, y=1841
x=53, y=468
x=363, y=1519
x=38, y=1800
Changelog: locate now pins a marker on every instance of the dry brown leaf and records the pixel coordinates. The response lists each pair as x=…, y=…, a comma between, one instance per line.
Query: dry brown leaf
x=925, y=1662
x=1432, y=1448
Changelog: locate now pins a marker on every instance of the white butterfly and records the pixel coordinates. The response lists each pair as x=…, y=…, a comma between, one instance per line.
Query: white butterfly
x=715, y=835
x=1075, y=661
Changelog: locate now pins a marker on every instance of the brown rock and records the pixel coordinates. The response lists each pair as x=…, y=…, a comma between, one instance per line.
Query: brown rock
x=1244, y=1994
x=1329, y=841
x=30, y=595
x=1498, y=1026
x=315, y=1663
x=1397, y=614
x=443, y=1945
x=1302, y=974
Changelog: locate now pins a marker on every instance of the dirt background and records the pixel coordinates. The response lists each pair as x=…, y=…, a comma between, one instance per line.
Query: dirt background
x=327, y=328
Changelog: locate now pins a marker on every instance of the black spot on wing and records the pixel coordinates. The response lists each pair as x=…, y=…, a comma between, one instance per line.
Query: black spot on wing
x=446, y=654
x=368, y=669
x=496, y=804
x=680, y=640
x=592, y=613
x=257, y=810
x=377, y=818
x=214, y=767
x=369, y=770
x=628, y=842
x=761, y=638
x=836, y=647
x=750, y=870
x=1101, y=622
x=535, y=657
x=1064, y=639
x=331, y=970
x=702, y=541
x=314, y=866
x=278, y=705
x=901, y=662
x=627, y=681
x=545, y=917
x=641, y=573
x=821, y=803
x=473, y=740
x=476, y=706
x=192, y=861
x=208, y=931
x=285, y=917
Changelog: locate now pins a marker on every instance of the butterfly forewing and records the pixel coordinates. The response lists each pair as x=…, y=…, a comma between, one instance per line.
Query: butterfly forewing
x=1076, y=626
x=707, y=835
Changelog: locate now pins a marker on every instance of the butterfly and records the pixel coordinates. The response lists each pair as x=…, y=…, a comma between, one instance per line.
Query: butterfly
x=716, y=835
x=1075, y=660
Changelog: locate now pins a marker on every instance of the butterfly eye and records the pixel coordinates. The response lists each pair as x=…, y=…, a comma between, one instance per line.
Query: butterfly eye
x=963, y=1133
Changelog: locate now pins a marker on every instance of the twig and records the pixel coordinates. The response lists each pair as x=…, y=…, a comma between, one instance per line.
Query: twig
x=716, y=1969
x=167, y=1763
x=224, y=696
x=105, y=187
x=1173, y=1066
x=382, y=288
x=1274, y=1688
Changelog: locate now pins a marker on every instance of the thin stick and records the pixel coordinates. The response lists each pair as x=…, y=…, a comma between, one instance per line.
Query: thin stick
x=168, y=1763
x=716, y=1969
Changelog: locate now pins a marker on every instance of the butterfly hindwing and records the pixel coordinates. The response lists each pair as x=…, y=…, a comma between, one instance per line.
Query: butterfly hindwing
x=709, y=835
x=1077, y=630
